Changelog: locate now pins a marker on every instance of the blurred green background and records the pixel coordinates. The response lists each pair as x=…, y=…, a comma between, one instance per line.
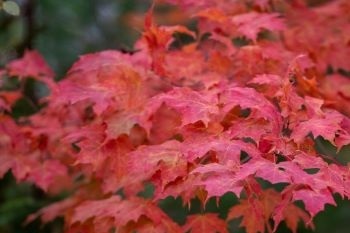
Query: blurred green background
x=64, y=29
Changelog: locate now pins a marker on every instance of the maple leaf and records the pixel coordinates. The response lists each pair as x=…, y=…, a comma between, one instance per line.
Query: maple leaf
x=166, y=158
x=290, y=213
x=105, y=79
x=249, y=98
x=157, y=40
x=182, y=187
x=225, y=149
x=120, y=123
x=185, y=67
x=160, y=37
x=205, y=223
x=267, y=79
x=327, y=127
x=213, y=14
x=250, y=24
x=331, y=175
x=20, y=150
x=264, y=169
x=314, y=106
x=314, y=200
x=49, y=213
x=336, y=89
x=119, y=115
x=217, y=180
x=299, y=176
x=118, y=213
x=108, y=207
x=90, y=140
x=106, y=158
x=253, y=219
x=115, y=168
x=192, y=105
x=255, y=210
x=323, y=18
x=165, y=124
x=248, y=128
x=31, y=65
x=46, y=175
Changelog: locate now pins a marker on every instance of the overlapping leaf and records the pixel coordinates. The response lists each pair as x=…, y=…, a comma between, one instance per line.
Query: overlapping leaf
x=232, y=110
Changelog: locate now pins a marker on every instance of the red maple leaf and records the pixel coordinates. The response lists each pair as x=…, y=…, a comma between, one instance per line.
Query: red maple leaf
x=114, y=212
x=238, y=107
x=205, y=223
x=31, y=65
x=250, y=24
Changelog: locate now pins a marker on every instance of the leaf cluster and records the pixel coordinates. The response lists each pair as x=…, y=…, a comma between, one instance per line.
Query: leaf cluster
x=240, y=108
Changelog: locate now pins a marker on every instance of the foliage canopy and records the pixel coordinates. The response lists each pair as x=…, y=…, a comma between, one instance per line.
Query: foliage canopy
x=236, y=105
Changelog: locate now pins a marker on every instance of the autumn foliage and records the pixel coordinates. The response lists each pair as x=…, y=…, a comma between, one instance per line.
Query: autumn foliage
x=233, y=103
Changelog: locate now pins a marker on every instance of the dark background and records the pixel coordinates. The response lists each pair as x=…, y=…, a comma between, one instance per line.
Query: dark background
x=64, y=29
